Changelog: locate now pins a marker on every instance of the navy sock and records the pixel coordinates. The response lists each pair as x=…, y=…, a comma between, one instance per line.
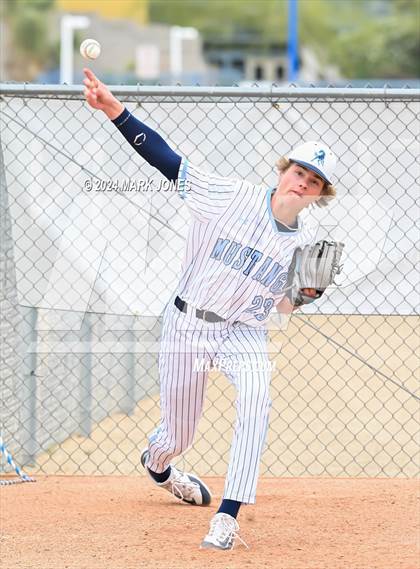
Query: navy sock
x=160, y=476
x=230, y=507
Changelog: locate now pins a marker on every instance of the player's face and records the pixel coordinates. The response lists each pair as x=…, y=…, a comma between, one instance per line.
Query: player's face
x=299, y=186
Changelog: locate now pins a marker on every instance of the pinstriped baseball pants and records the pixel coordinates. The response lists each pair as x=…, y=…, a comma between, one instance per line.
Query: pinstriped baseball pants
x=242, y=353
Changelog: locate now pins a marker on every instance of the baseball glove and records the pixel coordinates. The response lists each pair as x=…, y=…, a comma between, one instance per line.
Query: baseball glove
x=313, y=266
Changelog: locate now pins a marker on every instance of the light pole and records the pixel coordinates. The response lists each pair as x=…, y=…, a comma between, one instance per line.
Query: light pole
x=68, y=24
x=292, y=40
x=176, y=36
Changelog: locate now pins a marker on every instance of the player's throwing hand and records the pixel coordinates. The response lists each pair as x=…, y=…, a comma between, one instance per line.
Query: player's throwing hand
x=99, y=96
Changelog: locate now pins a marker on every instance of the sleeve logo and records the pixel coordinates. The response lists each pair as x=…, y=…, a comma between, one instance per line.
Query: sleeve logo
x=139, y=139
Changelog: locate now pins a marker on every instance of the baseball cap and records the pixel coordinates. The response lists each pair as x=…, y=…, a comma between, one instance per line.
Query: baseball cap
x=317, y=157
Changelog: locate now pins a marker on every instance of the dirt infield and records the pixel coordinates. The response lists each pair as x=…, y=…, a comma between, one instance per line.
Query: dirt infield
x=126, y=523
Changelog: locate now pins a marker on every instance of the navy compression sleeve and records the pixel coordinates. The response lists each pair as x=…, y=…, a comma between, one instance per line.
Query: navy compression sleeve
x=149, y=144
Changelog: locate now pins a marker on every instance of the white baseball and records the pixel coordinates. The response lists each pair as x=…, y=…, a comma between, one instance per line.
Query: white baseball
x=90, y=49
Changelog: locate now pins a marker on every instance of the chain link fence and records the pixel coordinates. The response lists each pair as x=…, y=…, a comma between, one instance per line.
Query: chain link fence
x=92, y=243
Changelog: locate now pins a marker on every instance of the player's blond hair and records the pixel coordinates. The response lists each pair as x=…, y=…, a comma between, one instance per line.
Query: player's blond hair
x=328, y=191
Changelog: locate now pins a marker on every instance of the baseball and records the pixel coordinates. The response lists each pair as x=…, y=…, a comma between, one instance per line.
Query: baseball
x=90, y=49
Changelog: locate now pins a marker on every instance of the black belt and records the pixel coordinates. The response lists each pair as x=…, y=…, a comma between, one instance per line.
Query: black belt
x=203, y=314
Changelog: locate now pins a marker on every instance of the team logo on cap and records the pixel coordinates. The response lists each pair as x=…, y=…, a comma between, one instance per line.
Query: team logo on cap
x=319, y=157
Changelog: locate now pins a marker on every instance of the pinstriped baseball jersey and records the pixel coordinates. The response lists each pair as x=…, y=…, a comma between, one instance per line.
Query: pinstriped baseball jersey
x=236, y=260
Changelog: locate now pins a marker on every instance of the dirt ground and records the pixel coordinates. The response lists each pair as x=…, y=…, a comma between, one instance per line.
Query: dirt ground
x=105, y=522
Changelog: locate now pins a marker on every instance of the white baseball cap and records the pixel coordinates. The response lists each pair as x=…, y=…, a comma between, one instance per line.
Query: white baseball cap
x=317, y=157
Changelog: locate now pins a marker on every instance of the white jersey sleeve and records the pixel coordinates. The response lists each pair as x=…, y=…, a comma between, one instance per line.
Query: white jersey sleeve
x=206, y=195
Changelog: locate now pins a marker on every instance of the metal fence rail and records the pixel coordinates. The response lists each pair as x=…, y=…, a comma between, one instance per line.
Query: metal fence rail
x=92, y=242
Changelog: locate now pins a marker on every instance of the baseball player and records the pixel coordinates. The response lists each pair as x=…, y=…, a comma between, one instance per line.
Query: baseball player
x=241, y=242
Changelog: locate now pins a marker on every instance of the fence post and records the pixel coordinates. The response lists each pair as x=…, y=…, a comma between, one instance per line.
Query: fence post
x=86, y=376
x=29, y=387
x=128, y=403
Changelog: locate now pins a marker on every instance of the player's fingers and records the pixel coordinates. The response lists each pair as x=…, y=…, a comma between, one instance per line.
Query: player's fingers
x=309, y=291
x=90, y=97
x=91, y=76
x=90, y=84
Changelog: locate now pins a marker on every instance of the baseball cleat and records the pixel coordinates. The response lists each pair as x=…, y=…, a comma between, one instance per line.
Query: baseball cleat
x=222, y=534
x=185, y=487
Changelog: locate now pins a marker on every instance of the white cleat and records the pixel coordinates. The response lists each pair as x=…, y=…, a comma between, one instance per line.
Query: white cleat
x=185, y=487
x=222, y=534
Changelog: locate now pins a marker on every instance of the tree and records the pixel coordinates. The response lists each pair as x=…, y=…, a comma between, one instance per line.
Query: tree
x=356, y=36
x=220, y=19
x=383, y=48
x=29, y=49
